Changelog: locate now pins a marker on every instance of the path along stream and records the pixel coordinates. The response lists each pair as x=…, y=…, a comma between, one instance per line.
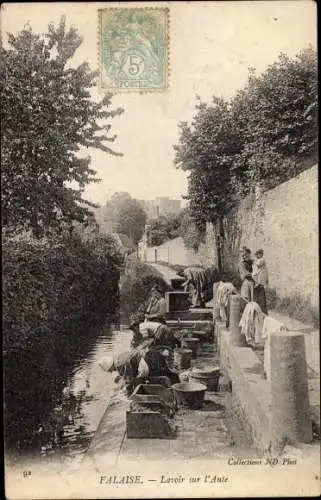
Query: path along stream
x=64, y=437
x=92, y=389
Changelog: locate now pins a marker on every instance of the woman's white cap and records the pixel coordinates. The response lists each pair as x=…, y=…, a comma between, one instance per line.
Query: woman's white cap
x=107, y=363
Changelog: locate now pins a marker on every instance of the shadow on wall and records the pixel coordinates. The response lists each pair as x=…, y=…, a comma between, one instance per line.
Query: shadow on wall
x=284, y=222
x=293, y=305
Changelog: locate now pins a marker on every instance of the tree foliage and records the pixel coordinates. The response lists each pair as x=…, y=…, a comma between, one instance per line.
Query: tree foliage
x=48, y=119
x=275, y=116
x=182, y=225
x=263, y=136
x=206, y=148
x=192, y=232
x=164, y=228
x=126, y=216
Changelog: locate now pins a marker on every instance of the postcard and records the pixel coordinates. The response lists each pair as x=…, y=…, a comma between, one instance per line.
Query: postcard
x=160, y=249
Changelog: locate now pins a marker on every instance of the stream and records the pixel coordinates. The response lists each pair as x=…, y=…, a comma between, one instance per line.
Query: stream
x=67, y=432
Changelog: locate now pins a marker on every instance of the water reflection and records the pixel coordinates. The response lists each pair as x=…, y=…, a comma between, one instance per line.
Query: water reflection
x=66, y=425
x=82, y=400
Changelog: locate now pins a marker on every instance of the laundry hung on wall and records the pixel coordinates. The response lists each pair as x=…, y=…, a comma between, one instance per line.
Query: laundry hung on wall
x=223, y=293
x=251, y=323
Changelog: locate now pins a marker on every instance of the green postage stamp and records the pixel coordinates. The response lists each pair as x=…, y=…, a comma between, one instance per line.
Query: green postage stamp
x=133, y=48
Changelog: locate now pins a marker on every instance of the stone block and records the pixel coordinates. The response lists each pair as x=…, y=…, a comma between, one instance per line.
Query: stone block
x=235, y=313
x=291, y=420
x=177, y=283
x=191, y=315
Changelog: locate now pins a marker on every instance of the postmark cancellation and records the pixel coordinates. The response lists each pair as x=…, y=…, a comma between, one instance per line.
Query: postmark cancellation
x=134, y=49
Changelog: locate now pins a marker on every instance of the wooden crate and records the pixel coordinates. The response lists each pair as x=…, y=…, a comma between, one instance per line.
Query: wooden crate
x=176, y=301
x=148, y=425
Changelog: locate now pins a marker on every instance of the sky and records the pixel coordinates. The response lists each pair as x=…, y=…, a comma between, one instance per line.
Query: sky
x=212, y=45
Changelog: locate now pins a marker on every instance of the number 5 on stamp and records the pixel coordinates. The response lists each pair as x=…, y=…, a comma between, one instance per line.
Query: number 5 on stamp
x=134, y=49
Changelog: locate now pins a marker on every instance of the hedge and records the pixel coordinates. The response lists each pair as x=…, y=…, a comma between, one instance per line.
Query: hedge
x=57, y=292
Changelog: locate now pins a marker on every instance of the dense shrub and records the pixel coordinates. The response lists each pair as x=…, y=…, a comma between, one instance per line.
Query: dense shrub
x=55, y=290
x=49, y=283
x=136, y=282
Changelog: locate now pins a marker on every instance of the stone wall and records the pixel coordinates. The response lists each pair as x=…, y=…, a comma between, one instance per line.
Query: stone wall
x=284, y=222
x=248, y=402
x=173, y=252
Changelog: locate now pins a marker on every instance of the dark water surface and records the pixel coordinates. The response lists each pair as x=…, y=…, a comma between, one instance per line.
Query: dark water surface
x=80, y=392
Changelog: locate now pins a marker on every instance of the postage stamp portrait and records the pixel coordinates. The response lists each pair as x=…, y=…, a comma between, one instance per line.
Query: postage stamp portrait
x=133, y=48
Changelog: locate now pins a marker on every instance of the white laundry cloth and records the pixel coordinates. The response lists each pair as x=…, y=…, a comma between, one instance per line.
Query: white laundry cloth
x=224, y=290
x=252, y=323
x=223, y=315
x=143, y=370
x=216, y=307
x=270, y=325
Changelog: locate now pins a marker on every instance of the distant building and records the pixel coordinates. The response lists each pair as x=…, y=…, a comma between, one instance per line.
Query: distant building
x=161, y=206
x=150, y=208
x=107, y=227
x=168, y=206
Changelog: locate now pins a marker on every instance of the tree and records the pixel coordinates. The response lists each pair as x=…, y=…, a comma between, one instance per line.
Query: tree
x=207, y=148
x=157, y=231
x=126, y=215
x=48, y=118
x=163, y=228
x=276, y=118
x=263, y=136
x=174, y=222
x=193, y=234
